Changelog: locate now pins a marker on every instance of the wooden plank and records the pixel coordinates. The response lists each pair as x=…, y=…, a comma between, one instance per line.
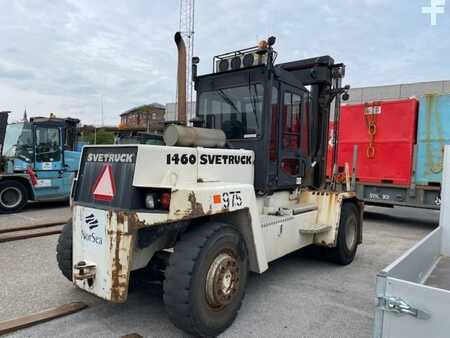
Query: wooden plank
x=31, y=227
x=40, y=317
x=15, y=236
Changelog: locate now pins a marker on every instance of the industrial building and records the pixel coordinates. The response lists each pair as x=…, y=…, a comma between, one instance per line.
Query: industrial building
x=149, y=116
x=399, y=91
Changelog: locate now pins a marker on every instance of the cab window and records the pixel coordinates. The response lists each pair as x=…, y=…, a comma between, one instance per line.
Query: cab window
x=237, y=111
x=291, y=129
x=48, y=144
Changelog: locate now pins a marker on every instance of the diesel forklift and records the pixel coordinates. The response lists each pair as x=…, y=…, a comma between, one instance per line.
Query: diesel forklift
x=243, y=187
x=38, y=160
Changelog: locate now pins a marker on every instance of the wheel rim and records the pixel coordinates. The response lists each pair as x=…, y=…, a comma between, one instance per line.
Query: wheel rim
x=222, y=280
x=350, y=233
x=10, y=197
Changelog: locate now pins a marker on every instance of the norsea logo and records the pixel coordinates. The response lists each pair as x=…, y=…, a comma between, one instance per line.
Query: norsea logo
x=92, y=222
x=91, y=237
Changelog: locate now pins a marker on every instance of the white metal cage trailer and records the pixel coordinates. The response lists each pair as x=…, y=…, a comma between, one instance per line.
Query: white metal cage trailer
x=413, y=293
x=243, y=188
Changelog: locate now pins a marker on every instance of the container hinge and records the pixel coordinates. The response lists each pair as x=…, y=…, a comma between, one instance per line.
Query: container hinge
x=400, y=307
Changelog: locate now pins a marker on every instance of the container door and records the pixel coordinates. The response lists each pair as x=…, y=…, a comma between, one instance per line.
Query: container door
x=433, y=133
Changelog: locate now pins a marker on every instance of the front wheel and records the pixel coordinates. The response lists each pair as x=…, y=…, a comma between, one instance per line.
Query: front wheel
x=347, y=241
x=206, y=278
x=13, y=196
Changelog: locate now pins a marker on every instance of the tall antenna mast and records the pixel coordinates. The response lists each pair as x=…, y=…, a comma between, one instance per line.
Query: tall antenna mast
x=186, y=28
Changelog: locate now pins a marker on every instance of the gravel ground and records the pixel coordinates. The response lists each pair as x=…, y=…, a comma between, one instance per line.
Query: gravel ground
x=297, y=296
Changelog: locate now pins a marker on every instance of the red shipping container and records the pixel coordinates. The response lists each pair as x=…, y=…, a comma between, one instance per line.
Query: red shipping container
x=389, y=157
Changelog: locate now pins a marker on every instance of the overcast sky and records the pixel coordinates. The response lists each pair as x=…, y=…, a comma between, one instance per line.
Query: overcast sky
x=62, y=56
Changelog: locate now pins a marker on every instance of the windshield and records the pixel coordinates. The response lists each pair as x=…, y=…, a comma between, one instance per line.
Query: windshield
x=48, y=144
x=18, y=141
x=237, y=111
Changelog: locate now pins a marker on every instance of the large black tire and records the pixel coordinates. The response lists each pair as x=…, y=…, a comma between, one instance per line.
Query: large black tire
x=13, y=196
x=64, y=251
x=347, y=241
x=206, y=278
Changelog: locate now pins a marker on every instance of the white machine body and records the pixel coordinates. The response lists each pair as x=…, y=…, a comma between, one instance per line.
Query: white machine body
x=202, y=182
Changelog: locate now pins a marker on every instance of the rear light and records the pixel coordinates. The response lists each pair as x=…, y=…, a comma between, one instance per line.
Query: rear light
x=157, y=200
x=164, y=200
x=150, y=201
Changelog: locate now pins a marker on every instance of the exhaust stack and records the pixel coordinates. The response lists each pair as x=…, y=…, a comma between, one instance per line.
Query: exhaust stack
x=181, y=79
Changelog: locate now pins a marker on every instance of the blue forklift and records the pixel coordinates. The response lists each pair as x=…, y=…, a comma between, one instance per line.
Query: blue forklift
x=38, y=160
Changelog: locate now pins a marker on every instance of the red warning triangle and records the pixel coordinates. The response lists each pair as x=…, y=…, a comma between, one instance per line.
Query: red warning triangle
x=104, y=188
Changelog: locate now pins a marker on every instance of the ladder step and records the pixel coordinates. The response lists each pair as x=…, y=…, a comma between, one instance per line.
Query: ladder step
x=310, y=229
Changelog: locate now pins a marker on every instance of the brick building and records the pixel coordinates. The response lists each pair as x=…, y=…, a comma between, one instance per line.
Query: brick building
x=148, y=116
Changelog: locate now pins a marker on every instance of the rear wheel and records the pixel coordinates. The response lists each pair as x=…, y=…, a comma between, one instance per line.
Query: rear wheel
x=206, y=278
x=347, y=241
x=64, y=251
x=13, y=196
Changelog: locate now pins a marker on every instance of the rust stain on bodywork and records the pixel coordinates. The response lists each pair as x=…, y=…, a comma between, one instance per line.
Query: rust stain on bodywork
x=118, y=287
x=120, y=249
x=134, y=222
x=131, y=219
x=196, y=209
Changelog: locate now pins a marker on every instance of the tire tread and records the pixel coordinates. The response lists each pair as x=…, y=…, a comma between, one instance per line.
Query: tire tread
x=64, y=251
x=22, y=188
x=179, y=276
x=337, y=254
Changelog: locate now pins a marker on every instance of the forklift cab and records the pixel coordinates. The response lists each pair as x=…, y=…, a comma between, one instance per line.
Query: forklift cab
x=54, y=139
x=55, y=158
x=40, y=142
x=267, y=108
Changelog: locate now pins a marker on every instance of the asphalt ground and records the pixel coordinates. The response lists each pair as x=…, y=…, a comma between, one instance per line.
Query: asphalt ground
x=297, y=296
x=36, y=213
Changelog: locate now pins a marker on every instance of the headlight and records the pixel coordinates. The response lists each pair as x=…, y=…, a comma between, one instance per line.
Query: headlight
x=150, y=201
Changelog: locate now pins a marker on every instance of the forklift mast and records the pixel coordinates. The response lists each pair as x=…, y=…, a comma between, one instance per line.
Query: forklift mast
x=280, y=111
x=325, y=78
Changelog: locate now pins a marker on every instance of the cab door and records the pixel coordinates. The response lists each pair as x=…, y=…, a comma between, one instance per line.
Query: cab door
x=48, y=162
x=293, y=141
